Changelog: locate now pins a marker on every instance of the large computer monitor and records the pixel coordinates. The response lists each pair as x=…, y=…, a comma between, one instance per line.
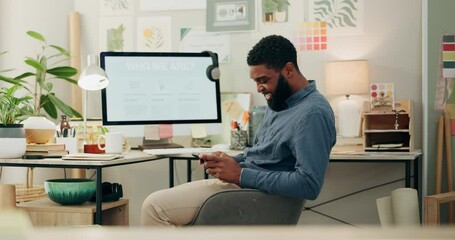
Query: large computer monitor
x=148, y=88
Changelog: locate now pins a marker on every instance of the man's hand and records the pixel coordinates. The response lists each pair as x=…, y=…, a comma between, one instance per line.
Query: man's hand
x=221, y=166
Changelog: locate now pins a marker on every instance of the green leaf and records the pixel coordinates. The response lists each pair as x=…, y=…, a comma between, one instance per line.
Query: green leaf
x=75, y=113
x=63, y=71
x=48, y=106
x=25, y=98
x=35, y=64
x=61, y=50
x=24, y=75
x=48, y=87
x=43, y=62
x=60, y=105
x=11, y=80
x=72, y=81
x=36, y=35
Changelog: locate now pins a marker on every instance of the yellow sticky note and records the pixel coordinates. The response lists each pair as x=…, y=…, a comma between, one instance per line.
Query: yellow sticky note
x=198, y=131
x=151, y=132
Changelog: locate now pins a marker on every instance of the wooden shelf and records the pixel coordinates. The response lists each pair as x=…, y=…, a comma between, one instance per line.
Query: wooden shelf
x=44, y=212
x=381, y=132
x=386, y=131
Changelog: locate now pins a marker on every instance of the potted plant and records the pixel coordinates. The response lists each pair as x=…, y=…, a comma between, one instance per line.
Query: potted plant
x=12, y=132
x=281, y=10
x=46, y=69
x=268, y=7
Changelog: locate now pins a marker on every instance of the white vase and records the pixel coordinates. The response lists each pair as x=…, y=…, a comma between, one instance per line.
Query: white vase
x=39, y=129
x=280, y=16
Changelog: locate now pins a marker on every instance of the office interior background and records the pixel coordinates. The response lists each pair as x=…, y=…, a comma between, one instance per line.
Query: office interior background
x=399, y=39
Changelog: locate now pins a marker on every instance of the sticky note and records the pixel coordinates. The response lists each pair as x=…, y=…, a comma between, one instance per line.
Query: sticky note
x=198, y=131
x=165, y=131
x=151, y=132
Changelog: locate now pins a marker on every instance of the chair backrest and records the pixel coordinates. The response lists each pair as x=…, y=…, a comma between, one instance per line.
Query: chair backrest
x=249, y=207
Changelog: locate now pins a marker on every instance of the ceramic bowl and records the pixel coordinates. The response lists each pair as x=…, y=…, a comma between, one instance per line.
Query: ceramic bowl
x=70, y=191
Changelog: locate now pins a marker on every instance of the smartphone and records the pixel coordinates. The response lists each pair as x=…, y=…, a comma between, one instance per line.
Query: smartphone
x=197, y=157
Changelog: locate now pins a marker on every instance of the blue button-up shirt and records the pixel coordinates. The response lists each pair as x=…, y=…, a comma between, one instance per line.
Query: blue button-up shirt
x=292, y=147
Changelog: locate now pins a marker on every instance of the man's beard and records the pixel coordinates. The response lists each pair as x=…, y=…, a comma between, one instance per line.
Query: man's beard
x=282, y=93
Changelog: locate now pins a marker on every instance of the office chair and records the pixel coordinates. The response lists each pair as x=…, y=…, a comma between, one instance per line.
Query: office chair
x=249, y=207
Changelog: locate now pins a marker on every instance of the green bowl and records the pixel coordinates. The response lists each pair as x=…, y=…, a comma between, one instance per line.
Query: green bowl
x=70, y=191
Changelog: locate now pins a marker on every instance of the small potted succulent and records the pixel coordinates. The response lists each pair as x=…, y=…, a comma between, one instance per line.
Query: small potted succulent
x=268, y=7
x=12, y=132
x=281, y=10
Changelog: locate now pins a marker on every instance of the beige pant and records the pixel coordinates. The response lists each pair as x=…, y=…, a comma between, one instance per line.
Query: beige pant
x=178, y=206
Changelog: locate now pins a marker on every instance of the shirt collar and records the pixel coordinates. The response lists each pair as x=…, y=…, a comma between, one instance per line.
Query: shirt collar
x=301, y=94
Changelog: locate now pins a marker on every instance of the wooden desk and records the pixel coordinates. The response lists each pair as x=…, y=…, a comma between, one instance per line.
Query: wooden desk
x=133, y=157
x=407, y=158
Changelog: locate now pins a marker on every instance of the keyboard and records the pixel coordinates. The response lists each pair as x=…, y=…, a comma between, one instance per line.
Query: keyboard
x=175, y=151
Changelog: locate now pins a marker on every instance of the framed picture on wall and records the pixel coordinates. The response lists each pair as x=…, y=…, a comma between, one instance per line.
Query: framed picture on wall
x=230, y=16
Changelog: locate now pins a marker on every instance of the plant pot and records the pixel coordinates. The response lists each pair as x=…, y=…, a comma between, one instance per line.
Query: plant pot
x=12, y=141
x=39, y=130
x=268, y=17
x=280, y=16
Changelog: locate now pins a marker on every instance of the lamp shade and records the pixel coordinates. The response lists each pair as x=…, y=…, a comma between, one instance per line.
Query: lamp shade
x=346, y=77
x=93, y=77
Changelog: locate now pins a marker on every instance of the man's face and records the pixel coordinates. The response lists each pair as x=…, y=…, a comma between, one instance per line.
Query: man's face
x=272, y=85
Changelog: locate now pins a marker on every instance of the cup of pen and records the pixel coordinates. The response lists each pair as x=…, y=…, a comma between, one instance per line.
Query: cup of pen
x=68, y=137
x=239, y=138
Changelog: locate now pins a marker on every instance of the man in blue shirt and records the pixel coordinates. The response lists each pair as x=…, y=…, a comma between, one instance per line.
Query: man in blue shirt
x=291, y=148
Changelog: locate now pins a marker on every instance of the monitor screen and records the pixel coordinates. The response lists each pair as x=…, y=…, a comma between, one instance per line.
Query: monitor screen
x=159, y=88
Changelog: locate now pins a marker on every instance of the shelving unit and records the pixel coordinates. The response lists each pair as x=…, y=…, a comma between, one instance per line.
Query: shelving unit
x=387, y=131
x=44, y=212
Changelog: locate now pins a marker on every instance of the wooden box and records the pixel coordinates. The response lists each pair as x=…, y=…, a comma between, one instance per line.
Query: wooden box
x=389, y=131
x=44, y=212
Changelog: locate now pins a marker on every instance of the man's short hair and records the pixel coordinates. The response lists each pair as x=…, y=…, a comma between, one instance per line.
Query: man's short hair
x=274, y=51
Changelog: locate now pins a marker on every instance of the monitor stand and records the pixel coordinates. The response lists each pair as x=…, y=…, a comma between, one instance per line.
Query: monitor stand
x=158, y=144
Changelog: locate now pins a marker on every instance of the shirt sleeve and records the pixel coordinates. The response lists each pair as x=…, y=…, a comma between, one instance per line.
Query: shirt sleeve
x=239, y=157
x=310, y=144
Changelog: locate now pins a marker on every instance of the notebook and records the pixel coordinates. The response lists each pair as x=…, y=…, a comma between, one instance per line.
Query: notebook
x=92, y=157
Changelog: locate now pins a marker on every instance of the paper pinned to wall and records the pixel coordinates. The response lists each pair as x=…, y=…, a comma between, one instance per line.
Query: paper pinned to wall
x=198, y=131
x=151, y=132
x=165, y=131
x=448, y=56
x=446, y=72
x=154, y=34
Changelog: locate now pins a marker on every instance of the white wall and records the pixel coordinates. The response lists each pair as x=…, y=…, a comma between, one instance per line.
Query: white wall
x=391, y=42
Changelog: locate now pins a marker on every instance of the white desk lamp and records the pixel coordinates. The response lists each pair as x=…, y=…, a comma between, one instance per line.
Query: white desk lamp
x=346, y=78
x=92, y=78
